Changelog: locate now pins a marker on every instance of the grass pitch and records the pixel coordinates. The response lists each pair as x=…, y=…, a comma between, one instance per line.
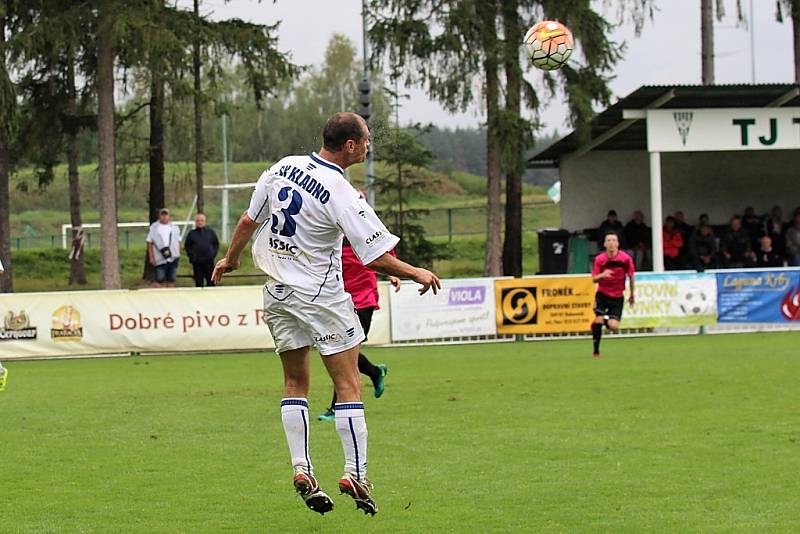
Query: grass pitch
x=663, y=434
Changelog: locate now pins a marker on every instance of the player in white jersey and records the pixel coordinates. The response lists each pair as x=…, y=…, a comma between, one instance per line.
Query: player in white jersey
x=299, y=210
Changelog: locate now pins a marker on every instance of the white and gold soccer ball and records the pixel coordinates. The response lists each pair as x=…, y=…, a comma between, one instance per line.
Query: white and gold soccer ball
x=549, y=45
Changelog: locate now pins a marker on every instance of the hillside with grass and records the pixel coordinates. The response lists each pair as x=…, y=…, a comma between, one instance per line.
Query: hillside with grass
x=455, y=220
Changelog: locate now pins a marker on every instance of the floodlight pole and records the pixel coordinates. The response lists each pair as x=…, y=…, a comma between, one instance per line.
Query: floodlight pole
x=656, y=212
x=225, y=178
x=368, y=165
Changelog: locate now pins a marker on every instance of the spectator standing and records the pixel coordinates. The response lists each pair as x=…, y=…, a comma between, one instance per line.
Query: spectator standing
x=673, y=244
x=609, y=226
x=638, y=239
x=766, y=256
x=703, y=249
x=735, y=245
x=775, y=228
x=201, y=247
x=164, y=249
x=793, y=241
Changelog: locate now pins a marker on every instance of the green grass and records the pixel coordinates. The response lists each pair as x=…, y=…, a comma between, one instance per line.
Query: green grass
x=684, y=434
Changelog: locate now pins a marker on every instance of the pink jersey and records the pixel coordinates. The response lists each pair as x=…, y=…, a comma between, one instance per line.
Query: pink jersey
x=360, y=282
x=621, y=265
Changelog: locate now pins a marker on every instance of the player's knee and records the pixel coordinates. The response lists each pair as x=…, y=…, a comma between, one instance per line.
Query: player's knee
x=613, y=325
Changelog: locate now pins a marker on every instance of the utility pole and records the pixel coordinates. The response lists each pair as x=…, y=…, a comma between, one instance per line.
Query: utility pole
x=365, y=99
x=225, y=177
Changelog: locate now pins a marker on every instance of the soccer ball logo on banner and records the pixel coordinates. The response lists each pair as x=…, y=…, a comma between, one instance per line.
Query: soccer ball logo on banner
x=694, y=301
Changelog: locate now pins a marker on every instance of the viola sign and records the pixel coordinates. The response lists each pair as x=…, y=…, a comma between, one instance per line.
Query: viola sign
x=463, y=308
x=720, y=129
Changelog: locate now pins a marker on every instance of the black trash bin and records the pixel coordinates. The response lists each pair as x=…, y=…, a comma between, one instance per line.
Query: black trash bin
x=553, y=251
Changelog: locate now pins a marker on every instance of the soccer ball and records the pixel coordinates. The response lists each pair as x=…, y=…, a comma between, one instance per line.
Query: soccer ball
x=549, y=45
x=694, y=302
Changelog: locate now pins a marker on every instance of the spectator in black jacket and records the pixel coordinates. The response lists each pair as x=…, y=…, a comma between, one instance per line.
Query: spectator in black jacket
x=767, y=256
x=735, y=246
x=638, y=240
x=202, y=246
x=609, y=226
x=703, y=249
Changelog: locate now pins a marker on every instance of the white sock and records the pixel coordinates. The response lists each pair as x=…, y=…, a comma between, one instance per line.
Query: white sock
x=294, y=413
x=352, y=428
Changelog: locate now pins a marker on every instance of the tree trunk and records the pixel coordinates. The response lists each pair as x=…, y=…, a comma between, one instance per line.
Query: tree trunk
x=77, y=271
x=796, y=34
x=707, y=39
x=487, y=12
x=109, y=242
x=198, y=118
x=7, y=280
x=512, y=241
x=157, y=198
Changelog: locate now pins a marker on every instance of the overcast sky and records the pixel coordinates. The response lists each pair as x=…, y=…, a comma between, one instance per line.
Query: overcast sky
x=667, y=52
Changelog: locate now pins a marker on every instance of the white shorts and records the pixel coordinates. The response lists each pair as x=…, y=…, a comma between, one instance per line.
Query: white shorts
x=295, y=321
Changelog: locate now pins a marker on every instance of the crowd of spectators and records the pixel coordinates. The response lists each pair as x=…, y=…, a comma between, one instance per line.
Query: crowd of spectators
x=747, y=240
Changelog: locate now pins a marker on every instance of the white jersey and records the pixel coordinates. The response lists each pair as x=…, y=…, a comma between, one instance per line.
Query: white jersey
x=304, y=204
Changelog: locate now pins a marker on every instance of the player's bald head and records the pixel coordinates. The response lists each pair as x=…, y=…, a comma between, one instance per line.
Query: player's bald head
x=342, y=127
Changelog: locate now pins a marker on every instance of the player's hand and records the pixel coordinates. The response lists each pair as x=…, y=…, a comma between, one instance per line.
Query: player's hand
x=395, y=283
x=223, y=266
x=607, y=273
x=631, y=300
x=427, y=280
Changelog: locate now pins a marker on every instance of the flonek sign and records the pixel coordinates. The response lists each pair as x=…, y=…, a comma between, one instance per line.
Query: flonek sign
x=717, y=129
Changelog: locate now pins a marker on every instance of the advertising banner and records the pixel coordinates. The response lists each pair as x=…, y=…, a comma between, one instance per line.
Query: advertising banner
x=759, y=296
x=462, y=308
x=149, y=320
x=672, y=300
x=544, y=305
x=694, y=130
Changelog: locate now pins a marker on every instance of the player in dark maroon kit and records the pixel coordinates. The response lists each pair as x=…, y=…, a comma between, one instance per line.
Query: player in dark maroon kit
x=609, y=271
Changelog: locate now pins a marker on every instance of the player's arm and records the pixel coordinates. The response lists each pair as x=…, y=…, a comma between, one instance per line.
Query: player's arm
x=245, y=229
x=255, y=215
x=631, y=268
x=631, y=281
x=373, y=243
x=391, y=266
x=597, y=275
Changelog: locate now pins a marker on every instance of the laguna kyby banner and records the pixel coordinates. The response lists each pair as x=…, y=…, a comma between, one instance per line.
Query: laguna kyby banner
x=759, y=296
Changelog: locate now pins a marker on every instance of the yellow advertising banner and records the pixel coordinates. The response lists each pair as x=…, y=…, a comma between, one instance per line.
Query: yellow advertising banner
x=544, y=305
